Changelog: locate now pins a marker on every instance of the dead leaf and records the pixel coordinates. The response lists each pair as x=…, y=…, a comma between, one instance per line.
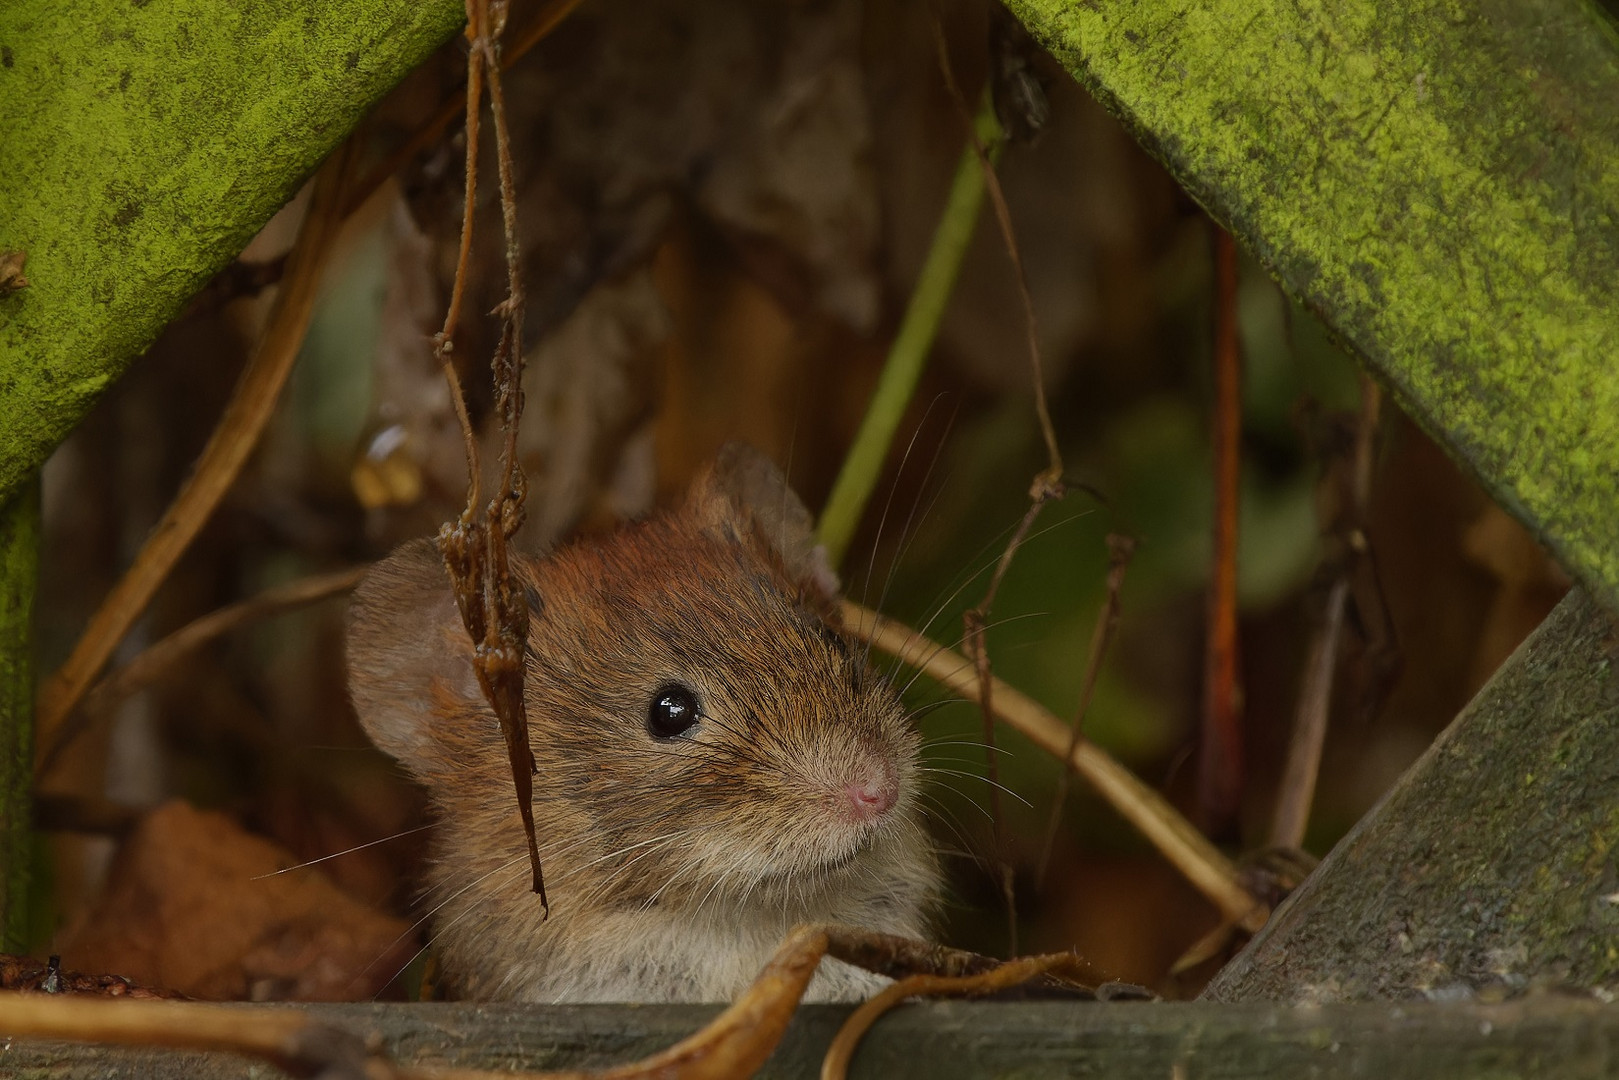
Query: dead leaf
x=187, y=907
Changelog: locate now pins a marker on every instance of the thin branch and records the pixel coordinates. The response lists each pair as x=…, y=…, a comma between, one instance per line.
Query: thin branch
x=1296, y=791
x=444, y=341
x=455, y=105
x=157, y=658
x=285, y=1038
x=227, y=451
x=835, y=1066
x=1047, y=485
x=973, y=624
x=1348, y=548
x=1209, y=871
x=988, y=153
x=1220, y=765
x=1120, y=551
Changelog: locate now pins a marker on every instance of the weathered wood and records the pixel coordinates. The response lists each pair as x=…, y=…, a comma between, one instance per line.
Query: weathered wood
x=1547, y=1036
x=1438, y=179
x=1491, y=866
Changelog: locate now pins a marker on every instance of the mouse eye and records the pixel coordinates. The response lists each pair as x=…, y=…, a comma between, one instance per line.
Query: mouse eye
x=674, y=711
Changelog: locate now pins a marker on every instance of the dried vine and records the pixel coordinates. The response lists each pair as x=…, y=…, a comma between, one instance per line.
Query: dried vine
x=475, y=546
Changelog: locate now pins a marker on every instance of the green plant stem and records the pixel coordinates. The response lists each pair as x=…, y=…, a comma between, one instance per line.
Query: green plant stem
x=19, y=563
x=909, y=353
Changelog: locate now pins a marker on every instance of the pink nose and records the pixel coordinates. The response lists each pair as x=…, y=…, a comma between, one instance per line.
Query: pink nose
x=872, y=796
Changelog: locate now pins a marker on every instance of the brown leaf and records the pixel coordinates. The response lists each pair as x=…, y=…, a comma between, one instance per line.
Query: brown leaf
x=187, y=906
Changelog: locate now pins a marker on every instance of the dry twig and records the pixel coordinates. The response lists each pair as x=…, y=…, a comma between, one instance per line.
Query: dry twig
x=1209, y=871
x=537, y=30
x=222, y=460
x=285, y=1038
x=1348, y=548
x=1220, y=763
x=493, y=608
x=1013, y=973
x=1120, y=550
x=160, y=656
x=1047, y=485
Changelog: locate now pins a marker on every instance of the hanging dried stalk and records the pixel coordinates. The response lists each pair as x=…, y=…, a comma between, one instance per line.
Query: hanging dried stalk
x=493, y=608
x=1046, y=486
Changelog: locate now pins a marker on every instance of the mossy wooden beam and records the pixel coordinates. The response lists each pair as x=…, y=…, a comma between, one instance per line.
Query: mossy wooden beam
x=1550, y=1036
x=1438, y=179
x=1490, y=867
x=145, y=142
x=19, y=564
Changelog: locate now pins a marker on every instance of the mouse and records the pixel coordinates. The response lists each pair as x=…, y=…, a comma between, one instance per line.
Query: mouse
x=716, y=759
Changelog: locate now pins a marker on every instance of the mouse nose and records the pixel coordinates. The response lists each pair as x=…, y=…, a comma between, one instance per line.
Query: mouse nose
x=872, y=795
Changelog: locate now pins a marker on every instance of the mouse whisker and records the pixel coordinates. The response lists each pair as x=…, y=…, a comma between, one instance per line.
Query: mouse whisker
x=979, y=776
x=932, y=800
x=974, y=743
x=625, y=850
x=419, y=923
x=957, y=644
x=345, y=851
x=995, y=544
x=652, y=847
x=515, y=871
x=922, y=712
x=905, y=534
x=953, y=761
x=690, y=864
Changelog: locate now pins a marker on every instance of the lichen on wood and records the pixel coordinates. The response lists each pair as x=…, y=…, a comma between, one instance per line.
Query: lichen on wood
x=1439, y=180
x=144, y=145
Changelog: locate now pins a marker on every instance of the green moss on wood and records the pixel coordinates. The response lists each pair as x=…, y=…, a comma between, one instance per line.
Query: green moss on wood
x=145, y=142
x=1438, y=179
x=19, y=563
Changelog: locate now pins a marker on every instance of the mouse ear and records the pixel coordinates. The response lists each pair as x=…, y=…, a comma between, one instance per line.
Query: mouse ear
x=408, y=652
x=744, y=491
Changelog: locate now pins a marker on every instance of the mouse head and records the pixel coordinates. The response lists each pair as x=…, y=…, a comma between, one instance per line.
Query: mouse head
x=700, y=727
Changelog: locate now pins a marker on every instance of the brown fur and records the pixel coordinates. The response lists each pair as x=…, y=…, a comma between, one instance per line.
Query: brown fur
x=674, y=866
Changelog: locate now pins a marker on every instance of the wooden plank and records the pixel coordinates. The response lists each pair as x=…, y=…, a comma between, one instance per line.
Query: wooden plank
x=1546, y=1036
x=1492, y=866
